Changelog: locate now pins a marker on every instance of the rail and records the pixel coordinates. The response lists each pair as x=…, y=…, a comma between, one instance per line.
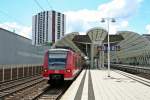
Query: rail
x=134, y=77
x=53, y=93
x=21, y=89
x=119, y=65
x=9, y=85
x=132, y=68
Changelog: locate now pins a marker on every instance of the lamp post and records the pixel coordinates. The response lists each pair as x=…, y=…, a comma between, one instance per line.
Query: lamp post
x=108, y=20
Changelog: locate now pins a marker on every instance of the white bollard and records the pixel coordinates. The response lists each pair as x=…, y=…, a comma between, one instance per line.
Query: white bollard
x=11, y=73
x=32, y=69
x=17, y=71
x=28, y=70
x=23, y=70
x=3, y=74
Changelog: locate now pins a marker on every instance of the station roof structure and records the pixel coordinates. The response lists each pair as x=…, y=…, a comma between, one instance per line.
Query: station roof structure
x=126, y=39
x=97, y=34
x=67, y=42
x=133, y=45
x=114, y=38
x=146, y=36
x=78, y=42
x=83, y=39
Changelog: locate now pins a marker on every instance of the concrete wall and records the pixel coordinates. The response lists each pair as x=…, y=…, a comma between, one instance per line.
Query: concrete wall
x=15, y=49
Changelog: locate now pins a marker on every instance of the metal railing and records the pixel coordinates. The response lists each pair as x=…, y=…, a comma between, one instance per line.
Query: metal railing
x=14, y=72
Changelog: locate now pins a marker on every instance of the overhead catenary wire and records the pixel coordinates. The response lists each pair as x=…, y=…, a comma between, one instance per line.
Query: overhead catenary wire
x=39, y=5
x=49, y=5
x=7, y=25
x=4, y=25
x=11, y=17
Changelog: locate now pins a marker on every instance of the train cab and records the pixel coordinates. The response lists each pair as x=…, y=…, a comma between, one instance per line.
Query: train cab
x=61, y=65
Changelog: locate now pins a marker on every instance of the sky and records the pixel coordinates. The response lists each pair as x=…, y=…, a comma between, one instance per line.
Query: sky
x=81, y=15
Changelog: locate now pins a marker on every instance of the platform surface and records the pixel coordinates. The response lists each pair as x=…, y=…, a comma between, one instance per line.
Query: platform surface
x=95, y=85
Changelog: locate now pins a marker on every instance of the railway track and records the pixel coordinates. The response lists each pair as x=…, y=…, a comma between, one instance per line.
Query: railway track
x=33, y=88
x=12, y=84
x=136, y=70
x=21, y=89
x=134, y=77
x=53, y=92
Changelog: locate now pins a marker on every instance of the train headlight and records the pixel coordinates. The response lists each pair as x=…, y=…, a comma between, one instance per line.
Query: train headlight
x=45, y=70
x=68, y=70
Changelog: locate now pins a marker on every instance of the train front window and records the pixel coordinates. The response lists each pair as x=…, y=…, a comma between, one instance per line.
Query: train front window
x=57, y=60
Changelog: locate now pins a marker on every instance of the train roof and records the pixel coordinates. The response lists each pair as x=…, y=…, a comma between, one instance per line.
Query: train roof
x=59, y=49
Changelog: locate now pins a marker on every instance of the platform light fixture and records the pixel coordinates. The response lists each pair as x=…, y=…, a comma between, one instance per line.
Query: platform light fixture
x=108, y=20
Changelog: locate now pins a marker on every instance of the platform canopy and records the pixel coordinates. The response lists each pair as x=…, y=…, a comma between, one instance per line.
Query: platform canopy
x=80, y=43
x=66, y=41
x=134, y=48
x=97, y=35
x=133, y=44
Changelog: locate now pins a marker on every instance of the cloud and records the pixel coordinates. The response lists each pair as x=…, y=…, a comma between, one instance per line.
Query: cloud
x=148, y=29
x=82, y=20
x=119, y=26
x=124, y=23
x=19, y=29
x=119, y=8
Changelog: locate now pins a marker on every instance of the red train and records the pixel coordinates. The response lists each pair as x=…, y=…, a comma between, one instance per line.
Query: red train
x=61, y=64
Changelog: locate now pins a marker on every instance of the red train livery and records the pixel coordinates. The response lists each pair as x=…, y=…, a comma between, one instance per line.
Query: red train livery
x=61, y=64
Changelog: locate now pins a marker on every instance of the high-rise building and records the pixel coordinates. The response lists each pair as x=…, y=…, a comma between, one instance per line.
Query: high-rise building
x=48, y=27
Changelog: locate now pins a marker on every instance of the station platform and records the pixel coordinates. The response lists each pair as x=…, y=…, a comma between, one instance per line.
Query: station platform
x=96, y=85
